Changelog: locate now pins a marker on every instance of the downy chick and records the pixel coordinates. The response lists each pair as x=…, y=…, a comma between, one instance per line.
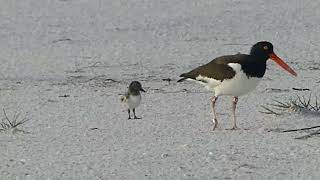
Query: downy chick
x=132, y=98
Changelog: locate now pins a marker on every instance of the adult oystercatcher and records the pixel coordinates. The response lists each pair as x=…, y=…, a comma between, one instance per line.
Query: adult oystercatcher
x=235, y=75
x=132, y=98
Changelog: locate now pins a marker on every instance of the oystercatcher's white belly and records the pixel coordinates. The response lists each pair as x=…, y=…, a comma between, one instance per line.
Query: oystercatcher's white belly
x=239, y=85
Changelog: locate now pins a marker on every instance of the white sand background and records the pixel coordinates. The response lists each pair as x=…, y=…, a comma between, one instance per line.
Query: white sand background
x=52, y=48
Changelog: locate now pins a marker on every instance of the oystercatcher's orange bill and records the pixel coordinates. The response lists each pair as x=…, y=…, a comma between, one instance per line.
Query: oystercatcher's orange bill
x=285, y=66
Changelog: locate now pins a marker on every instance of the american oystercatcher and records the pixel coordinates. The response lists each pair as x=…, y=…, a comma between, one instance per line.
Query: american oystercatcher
x=132, y=98
x=235, y=75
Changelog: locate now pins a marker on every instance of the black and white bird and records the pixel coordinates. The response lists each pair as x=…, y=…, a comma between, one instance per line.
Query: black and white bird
x=132, y=98
x=235, y=75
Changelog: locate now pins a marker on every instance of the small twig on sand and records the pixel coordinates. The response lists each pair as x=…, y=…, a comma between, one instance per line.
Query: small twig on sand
x=302, y=129
x=66, y=95
x=301, y=89
x=309, y=135
x=63, y=39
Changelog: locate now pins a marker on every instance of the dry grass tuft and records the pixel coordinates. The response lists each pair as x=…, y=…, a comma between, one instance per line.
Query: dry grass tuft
x=11, y=124
x=300, y=103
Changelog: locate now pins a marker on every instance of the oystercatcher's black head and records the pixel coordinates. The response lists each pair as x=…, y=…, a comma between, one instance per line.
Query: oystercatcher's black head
x=135, y=87
x=263, y=50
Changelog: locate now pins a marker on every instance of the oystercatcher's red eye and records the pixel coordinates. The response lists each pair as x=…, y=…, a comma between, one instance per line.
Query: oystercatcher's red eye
x=265, y=47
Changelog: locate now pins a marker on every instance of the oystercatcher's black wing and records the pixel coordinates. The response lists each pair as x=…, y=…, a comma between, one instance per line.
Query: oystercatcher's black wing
x=217, y=69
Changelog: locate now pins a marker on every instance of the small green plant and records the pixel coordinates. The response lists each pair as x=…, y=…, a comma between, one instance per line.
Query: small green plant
x=300, y=103
x=12, y=124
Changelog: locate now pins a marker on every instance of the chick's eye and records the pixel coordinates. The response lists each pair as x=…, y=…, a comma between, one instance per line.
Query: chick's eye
x=265, y=47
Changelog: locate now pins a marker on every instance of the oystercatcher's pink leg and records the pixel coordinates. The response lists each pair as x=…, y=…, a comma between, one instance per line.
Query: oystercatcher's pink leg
x=214, y=120
x=234, y=105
